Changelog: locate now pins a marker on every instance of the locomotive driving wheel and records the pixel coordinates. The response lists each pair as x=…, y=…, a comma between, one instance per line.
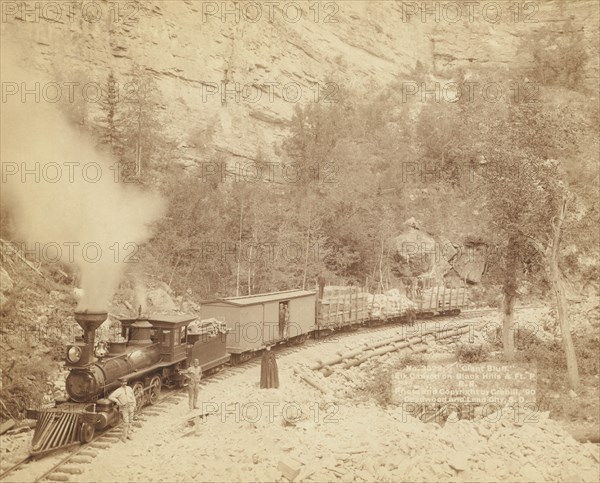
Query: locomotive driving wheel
x=154, y=389
x=138, y=391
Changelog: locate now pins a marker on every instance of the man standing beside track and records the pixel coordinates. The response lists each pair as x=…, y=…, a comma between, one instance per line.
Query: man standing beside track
x=125, y=399
x=194, y=375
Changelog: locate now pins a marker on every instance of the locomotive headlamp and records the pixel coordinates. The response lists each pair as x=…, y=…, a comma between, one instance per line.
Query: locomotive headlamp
x=74, y=354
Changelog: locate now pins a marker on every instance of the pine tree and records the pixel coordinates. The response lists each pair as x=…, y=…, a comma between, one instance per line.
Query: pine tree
x=110, y=121
x=141, y=131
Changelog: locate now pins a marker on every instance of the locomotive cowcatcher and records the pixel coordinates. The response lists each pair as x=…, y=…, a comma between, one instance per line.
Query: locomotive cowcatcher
x=154, y=350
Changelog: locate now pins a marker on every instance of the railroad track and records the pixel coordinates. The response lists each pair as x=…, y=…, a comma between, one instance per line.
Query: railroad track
x=15, y=467
x=70, y=464
x=366, y=330
x=85, y=453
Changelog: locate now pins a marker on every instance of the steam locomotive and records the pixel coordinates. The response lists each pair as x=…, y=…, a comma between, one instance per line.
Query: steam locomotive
x=155, y=349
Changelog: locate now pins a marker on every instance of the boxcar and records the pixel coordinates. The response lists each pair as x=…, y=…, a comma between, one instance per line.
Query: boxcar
x=256, y=321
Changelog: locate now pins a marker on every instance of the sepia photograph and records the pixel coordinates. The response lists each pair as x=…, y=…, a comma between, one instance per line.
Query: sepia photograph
x=302, y=241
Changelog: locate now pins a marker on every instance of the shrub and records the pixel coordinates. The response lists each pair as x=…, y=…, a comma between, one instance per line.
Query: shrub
x=550, y=355
x=470, y=353
x=380, y=387
x=24, y=384
x=486, y=296
x=587, y=350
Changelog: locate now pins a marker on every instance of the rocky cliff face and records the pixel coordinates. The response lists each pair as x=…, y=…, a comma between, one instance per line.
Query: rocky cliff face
x=276, y=57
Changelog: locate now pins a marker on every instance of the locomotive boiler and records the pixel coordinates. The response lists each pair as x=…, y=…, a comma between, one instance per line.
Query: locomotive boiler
x=91, y=377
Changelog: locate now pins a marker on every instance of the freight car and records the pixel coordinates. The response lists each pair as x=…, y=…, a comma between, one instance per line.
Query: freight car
x=153, y=352
x=257, y=321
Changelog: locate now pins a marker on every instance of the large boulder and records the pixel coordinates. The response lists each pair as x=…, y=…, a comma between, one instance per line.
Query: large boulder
x=160, y=300
x=6, y=282
x=471, y=262
x=424, y=254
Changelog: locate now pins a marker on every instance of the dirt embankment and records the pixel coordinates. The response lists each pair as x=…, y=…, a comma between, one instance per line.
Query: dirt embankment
x=36, y=322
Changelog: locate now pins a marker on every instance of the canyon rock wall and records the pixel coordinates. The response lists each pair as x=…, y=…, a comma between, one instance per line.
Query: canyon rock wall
x=274, y=54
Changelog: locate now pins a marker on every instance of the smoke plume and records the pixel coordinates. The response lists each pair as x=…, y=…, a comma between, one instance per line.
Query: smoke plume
x=71, y=212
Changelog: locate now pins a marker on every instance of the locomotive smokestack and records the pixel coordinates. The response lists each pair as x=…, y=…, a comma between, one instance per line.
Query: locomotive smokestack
x=89, y=322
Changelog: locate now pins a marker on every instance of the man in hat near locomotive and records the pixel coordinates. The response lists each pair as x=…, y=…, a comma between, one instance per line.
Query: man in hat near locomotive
x=124, y=398
x=193, y=374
